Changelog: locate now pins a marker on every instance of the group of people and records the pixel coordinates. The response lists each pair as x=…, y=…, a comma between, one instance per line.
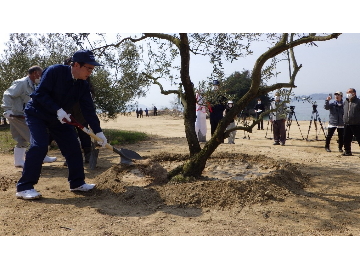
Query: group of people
x=217, y=107
x=344, y=116
x=38, y=106
x=37, y=112
x=140, y=112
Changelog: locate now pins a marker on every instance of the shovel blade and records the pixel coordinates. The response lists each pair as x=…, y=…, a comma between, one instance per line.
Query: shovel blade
x=93, y=156
x=126, y=155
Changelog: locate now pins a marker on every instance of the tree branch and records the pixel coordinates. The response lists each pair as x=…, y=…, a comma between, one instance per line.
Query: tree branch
x=155, y=81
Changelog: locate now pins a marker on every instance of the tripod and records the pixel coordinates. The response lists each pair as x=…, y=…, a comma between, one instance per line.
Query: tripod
x=315, y=116
x=289, y=121
x=267, y=128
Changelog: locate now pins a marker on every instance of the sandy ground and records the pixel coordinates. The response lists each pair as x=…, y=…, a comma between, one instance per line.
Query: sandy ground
x=250, y=188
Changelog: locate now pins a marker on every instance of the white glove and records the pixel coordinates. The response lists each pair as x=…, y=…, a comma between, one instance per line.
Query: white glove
x=61, y=115
x=8, y=113
x=103, y=138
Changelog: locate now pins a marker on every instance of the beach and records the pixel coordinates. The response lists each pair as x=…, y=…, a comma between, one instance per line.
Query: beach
x=250, y=188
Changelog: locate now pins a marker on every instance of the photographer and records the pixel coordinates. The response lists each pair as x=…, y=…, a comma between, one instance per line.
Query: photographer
x=336, y=121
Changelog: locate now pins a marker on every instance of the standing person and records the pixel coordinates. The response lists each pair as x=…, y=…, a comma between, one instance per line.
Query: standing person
x=259, y=108
x=336, y=120
x=85, y=139
x=155, y=111
x=137, y=113
x=14, y=101
x=216, y=108
x=278, y=118
x=351, y=120
x=141, y=113
x=231, y=138
x=146, y=112
x=60, y=88
x=200, y=123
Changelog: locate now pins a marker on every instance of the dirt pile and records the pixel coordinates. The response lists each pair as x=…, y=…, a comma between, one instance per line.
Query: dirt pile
x=144, y=182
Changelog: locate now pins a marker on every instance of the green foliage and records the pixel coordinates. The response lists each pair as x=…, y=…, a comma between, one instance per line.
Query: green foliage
x=116, y=84
x=119, y=137
x=115, y=137
x=238, y=84
x=7, y=143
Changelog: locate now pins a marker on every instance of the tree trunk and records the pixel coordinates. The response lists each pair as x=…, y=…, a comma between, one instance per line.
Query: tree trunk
x=190, y=100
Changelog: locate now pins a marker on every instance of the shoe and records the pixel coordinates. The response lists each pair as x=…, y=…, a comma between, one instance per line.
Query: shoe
x=282, y=143
x=327, y=149
x=30, y=194
x=276, y=143
x=48, y=159
x=84, y=187
x=347, y=154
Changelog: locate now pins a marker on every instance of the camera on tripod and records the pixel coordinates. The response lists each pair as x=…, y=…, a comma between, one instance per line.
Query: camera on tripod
x=292, y=108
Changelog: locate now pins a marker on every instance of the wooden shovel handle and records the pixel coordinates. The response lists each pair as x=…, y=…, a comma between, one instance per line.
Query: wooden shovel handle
x=86, y=130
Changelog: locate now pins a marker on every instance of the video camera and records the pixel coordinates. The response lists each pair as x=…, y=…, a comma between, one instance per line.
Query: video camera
x=292, y=108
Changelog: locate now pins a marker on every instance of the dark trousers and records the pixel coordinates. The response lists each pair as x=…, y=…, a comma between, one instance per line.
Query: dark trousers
x=261, y=123
x=85, y=139
x=279, y=131
x=331, y=132
x=65, y=137
x=214, y=123
x=349, y=132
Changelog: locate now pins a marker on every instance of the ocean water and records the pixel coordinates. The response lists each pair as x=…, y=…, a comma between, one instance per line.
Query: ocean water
x=304, y=110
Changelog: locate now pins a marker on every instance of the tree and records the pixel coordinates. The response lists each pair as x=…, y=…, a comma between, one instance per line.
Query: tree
x=159, y=53
x=116, y=84
x=218, y=47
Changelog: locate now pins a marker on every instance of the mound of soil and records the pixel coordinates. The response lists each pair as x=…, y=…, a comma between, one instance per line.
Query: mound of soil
x=146, y=182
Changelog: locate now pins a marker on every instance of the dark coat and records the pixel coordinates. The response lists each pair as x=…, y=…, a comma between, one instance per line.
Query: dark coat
x=352, y=111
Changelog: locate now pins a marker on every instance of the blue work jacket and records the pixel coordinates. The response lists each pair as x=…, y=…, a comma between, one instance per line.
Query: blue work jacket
x=58, y=89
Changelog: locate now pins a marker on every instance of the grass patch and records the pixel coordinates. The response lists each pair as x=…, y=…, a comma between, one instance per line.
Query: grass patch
x=7, y=143
x=118, y=137
x=114, y=137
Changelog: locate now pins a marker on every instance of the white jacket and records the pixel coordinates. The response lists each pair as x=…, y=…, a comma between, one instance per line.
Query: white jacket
x=17, y=95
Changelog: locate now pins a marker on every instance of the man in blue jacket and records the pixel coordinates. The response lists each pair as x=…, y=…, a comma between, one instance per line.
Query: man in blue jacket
x=61, y=86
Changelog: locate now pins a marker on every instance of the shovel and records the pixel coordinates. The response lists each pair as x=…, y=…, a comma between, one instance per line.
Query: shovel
x=126, y=155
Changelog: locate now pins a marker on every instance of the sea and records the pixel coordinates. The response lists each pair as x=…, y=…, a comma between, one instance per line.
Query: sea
x=304, y=111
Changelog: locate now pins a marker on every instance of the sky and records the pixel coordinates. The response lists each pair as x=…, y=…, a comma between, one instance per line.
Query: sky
x=332, y=66
x=326, y=68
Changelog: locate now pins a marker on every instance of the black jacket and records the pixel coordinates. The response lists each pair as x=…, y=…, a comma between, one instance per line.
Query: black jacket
x=352, y=111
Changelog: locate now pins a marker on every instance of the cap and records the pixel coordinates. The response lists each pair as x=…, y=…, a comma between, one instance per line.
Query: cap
x=85, y=56
x=230, y=101
x=277, y=94
x=338, y=93
x=216, y=82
